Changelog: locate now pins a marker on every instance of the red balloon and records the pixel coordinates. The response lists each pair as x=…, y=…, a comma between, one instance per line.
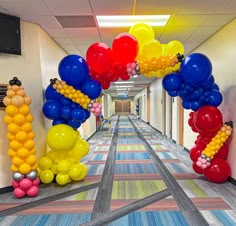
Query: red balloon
x=223, y=152
x=109, y=77
x=105, y=84
x=208, y=119
x=115, y=78
x=99, y=57
x=125, y=48
x=218, y=172
x=197, y=169
x=195, y=153
x=125, y=76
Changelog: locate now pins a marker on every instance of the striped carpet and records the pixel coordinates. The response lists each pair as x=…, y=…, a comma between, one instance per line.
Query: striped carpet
x=135, y=177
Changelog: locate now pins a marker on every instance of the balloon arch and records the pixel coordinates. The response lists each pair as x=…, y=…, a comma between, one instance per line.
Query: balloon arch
x=71, y=100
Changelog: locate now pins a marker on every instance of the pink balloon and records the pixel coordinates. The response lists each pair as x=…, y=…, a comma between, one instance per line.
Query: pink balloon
x=97, y=110
x=19, y=193
x=95, y=105
x=14, y=183
x=33, y=191
x=92, y=109
x=25, y=184
x=36, y=181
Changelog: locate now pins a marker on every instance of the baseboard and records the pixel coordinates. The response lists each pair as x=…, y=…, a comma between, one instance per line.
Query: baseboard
x=232, y=180
x=6, y=189
x=91, y=136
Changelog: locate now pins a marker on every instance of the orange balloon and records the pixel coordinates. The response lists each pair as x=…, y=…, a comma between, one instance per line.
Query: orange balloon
x=15, y=87
x=26, y=127
x=10, y=93
x=7, y=100
x=29, y=144
x=19, y=119
x=29, y=118
x=13, y=128
x=18, y=101
x=27, y=100
x=25, y=168
x=24, y=110
x=11, y=110
x=7, y=119
x=22, y=152
x=15, y=145
x=21, y=136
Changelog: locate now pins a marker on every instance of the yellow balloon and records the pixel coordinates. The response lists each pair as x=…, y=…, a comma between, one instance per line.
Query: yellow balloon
x=152, y=49
x=62, y=179
x=80, y=149
x=11, y=110
x=143, y=33
x=46, y=176
x=45, y=163
x=61, y=137
x=75, y=171
x=63, y=166
x=84, y=172
x=174, y=47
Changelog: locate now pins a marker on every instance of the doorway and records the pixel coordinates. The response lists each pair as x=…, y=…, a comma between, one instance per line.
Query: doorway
x=123, y=107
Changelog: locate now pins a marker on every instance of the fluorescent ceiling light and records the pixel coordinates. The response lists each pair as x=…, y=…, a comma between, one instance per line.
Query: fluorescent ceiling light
x=124, y=82
x=128, y=21
x=123, y=86
x=135, y=76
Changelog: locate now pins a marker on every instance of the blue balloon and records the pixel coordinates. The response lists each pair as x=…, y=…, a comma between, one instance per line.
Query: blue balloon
x=51, y=109
x=86, y=114
x=65, y=101
x=92, y=88
x=208, y=84
x=78, y=114
x=195, y=105
x=74, y=124
x=73, y=69
x=186, y=104
x=215, y=87
x=215, y=98
x=52, y=94
x=66, y=112
x=58, y=121
x=195, y=69
x=173, y=93
x=172, y=82
x=197, y=93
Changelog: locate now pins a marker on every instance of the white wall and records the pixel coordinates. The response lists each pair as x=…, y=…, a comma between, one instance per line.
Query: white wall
x=28, y=69
x=156, y=116
x=143, y=96
x=220, y=49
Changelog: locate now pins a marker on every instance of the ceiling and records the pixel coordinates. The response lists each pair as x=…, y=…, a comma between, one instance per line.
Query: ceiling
x=191, y=22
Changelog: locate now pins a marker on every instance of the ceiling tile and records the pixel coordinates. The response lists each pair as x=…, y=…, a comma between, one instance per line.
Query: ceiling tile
x=156, y=7
x=2, y=10
x=63, y=41
x=229, y=7
x=105, y=7
x=176, y=33
x=68, y=7
x=198, y=7
x=25, y=7
x=83, y=49
x=81, y=36
x=53, y=24
x=40, y=20
x=218, y=20
x=56, y=33
x=109, y=34
x=187, y=20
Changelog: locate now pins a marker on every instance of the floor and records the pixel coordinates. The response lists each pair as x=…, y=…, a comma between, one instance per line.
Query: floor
x=136, y=177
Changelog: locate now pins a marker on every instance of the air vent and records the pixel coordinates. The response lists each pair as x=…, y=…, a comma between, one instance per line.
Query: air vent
x=76, y=21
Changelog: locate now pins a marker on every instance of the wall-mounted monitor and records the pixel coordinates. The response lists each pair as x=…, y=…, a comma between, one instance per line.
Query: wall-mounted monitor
x=10, y=41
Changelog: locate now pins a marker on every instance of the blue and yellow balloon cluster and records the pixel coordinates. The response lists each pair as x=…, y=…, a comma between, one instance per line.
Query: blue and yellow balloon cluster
x=62, y=162
x=76, y=85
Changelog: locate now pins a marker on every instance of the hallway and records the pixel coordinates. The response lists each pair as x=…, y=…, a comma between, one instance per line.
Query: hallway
x=136, y=177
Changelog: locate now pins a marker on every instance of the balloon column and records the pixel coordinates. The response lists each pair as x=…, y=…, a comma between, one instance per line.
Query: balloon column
x=62, y=162
x=20, y=135
x=195, y=85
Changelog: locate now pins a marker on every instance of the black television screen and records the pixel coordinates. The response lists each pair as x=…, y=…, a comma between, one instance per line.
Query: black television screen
x=10, y=34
